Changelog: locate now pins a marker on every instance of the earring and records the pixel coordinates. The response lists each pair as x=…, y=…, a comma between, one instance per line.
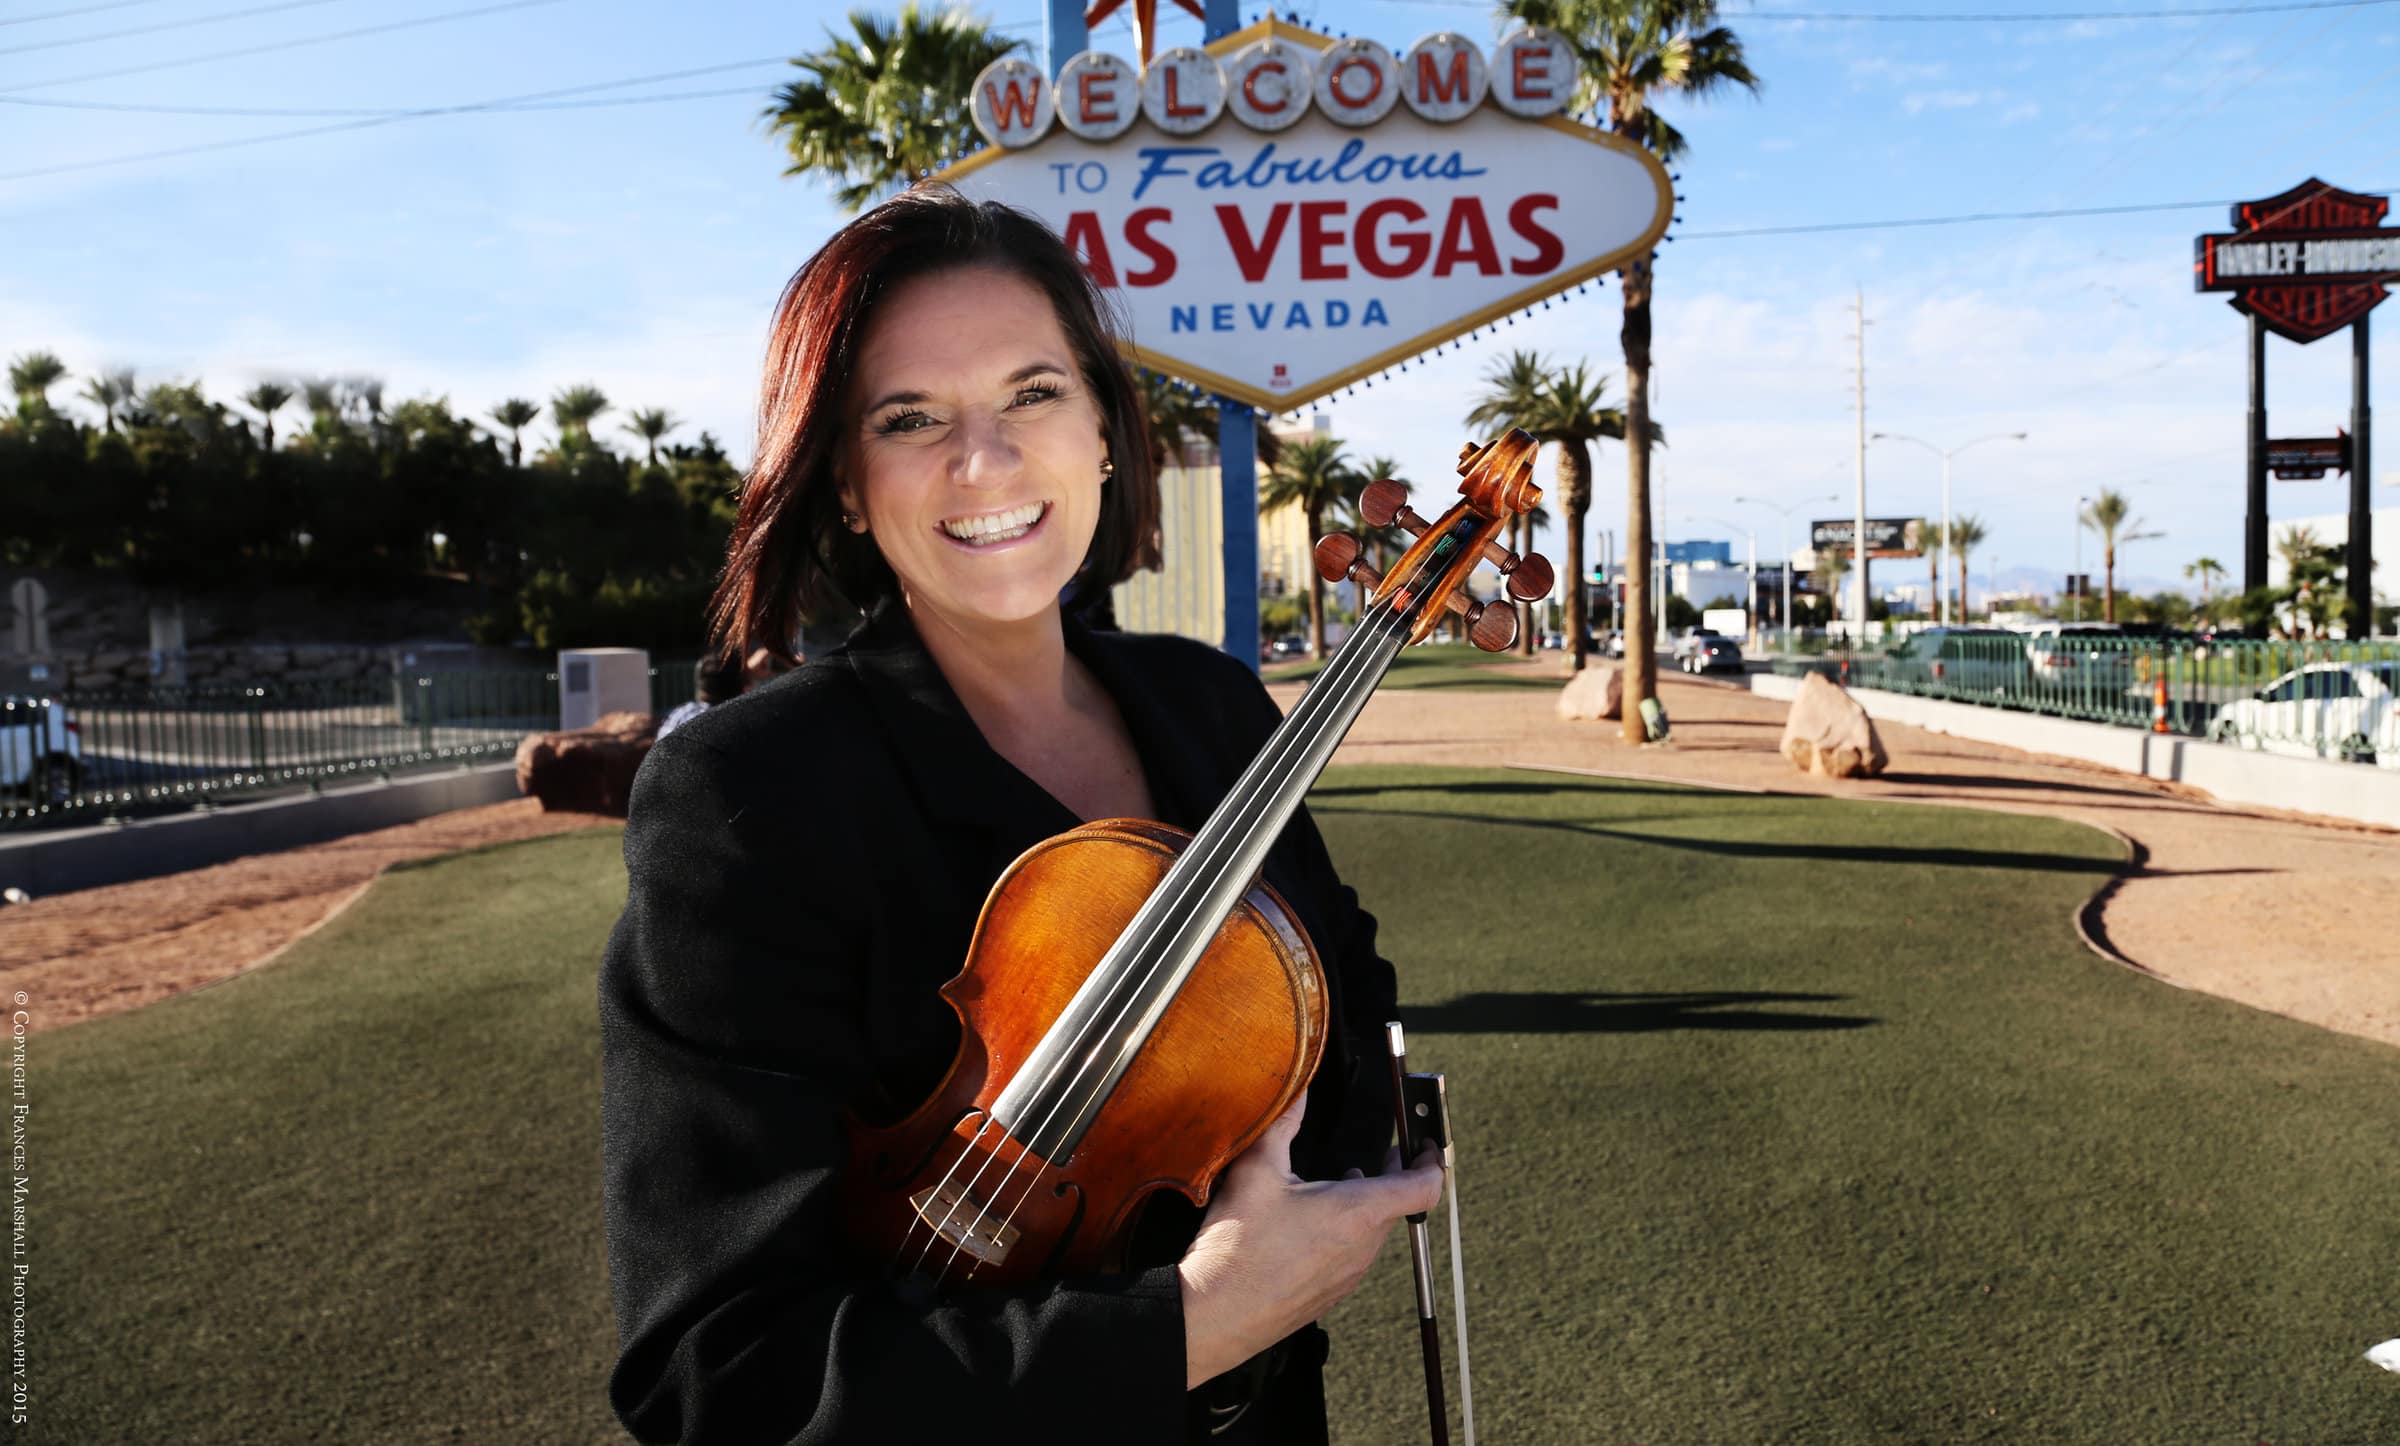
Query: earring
x=1108, y=466
x=852, y=521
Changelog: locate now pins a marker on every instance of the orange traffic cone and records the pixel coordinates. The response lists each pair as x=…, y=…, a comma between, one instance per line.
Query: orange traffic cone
x=2158, y=703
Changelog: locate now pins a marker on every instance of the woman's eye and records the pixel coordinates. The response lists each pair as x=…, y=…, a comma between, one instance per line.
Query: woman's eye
x=902, y=422
x=1040, y=392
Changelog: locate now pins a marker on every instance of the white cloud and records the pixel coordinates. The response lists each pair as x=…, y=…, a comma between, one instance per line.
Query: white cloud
x=1922, y=101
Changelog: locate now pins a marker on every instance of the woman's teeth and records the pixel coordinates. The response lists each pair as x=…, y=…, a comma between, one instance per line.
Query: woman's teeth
x=996, y=526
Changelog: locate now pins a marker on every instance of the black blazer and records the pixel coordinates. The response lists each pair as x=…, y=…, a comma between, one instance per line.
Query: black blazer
x=806, y=866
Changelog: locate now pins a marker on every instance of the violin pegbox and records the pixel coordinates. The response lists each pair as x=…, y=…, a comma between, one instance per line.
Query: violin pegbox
x=1431, y=575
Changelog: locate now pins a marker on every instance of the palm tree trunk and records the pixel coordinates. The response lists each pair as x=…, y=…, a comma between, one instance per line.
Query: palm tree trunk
x=1575, y=473
x=2108, y=582
x=1316, y=600
x=1641, y=660
x=1933, y=581
x=1962, y=582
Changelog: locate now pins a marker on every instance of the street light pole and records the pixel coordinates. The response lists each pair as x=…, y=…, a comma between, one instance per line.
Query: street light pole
x=2076, y=589
x=1784, y=531
x=1942, y=589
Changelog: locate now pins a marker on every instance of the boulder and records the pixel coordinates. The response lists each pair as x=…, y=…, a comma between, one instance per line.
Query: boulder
x=1596, y=692
x=588, y=770
x=1829, y=734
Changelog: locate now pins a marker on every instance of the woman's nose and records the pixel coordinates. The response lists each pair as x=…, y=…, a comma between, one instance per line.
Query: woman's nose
x=987, y=455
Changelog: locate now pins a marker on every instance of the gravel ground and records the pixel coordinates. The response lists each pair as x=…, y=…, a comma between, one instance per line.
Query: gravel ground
x=2278, y=911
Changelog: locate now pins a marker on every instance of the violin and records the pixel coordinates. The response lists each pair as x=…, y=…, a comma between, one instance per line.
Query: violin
x=1137, y=1004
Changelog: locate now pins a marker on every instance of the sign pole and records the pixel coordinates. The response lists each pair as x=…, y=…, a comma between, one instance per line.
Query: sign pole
x=1237, y=445
x=1063, y=31
x=2360, y=565
x=2254, y=527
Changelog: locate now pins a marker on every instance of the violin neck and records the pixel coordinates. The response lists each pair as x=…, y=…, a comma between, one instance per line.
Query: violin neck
x=1055, y=1094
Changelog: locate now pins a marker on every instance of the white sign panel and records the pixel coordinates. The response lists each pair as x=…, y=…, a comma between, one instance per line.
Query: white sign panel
x=1276, y=266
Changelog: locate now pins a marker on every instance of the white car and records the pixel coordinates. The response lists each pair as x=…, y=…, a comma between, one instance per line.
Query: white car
x=41, y=751
x=2349, y=711
x=2087, y=654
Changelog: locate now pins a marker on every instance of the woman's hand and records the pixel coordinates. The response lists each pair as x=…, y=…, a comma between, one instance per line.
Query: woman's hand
x=1275, y=1252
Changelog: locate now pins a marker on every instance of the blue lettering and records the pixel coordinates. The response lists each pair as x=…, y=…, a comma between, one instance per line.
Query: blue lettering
x=1158, y=163
x=1337, y=313
x=1296, y=317
x=1220, y=316
x=1183, y=318
x=1262, y=314
x=1377, y=169
x=1374, y=316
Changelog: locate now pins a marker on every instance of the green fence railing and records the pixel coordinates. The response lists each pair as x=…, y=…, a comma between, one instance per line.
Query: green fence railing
x=83, y=756
x=2315, y=699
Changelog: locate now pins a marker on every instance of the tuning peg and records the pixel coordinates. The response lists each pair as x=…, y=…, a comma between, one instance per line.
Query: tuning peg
x=1335, y=553
x=1492, y=626
x=1531, y=578
x=1384, y=502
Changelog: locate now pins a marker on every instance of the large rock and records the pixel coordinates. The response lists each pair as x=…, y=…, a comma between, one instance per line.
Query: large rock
x=1596, y=692
x=588, y=770
x=1829, y=734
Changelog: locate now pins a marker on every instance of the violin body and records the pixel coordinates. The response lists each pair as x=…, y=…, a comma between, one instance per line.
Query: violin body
x=946, y=1197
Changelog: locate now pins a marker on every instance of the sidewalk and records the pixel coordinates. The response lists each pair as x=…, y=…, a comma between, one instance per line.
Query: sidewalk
x=2282, y=912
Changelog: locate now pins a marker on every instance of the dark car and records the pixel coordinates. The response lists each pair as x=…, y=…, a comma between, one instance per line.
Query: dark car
x=1712, y=654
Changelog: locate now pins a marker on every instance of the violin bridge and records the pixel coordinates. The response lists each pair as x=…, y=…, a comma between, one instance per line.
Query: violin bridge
x=960, y=1219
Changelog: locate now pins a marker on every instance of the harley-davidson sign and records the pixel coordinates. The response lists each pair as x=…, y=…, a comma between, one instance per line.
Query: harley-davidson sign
x=1284, y=213
x=2307, y=263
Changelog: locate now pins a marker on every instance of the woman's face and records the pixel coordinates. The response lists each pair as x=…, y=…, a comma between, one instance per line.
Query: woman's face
x=975, y=455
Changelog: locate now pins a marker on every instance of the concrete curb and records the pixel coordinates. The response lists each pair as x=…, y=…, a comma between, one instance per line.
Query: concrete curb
x=63, y=861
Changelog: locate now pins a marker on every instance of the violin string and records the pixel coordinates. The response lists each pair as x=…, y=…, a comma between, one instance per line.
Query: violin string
x=1115, y=1023
x=940, y=1192
x=1355, y=666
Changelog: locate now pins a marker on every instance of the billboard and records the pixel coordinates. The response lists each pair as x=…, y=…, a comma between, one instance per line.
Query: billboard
x=2307, y=263
x=1886, y=536
x=1284, y=213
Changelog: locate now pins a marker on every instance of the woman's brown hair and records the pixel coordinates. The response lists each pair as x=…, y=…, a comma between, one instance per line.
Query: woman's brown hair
x=789, y=557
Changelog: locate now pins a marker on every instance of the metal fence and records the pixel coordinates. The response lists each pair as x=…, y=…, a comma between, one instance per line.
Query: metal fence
x=79, y=757
x=2310, y=699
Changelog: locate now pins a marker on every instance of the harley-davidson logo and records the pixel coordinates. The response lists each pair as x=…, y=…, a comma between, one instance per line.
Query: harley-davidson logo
x=2307, y=263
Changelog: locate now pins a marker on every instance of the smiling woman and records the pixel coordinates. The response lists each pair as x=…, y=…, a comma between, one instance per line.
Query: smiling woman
x=950, y=443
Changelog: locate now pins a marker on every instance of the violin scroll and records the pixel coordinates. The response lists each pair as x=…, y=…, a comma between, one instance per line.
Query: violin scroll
x=1498, y=485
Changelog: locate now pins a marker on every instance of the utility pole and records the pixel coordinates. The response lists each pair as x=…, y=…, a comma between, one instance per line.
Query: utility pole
x=1943, y=588
x=1858, y=539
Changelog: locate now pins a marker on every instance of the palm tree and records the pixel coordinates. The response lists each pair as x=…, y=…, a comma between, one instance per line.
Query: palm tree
x=267, y=399
x=2209, y=572
x=1965, y=535
x=1388, y=541
x=650, y=426
x=1626, y=52
x=1314, y=476
x=1512, y=388
x=31, y=377
x=1572, y=411
x=1833, y=564
x=110, y=391
x=367, y=394
x=516, y=414
x=887, y=103
x=1929, y=537
x=574, y=409
x=2112, y=517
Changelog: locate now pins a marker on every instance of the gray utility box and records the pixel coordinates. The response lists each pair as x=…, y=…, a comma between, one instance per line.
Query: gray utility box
x=593, y=681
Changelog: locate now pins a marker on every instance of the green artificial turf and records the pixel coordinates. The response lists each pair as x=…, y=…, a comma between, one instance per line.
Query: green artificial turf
x=1779, y=1119
x=1436, y=665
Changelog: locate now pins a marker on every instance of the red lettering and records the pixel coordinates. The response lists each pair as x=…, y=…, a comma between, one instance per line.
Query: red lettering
x=1526, y=63
x=1333, y=82
x=1161, y=255
x=1466, y=236
x=1432, y=86
x=1250, y=87
x=1546, y=247
x=1412, y=245
x=1173, y=108
x=1084, y=237
x=1315, y=236
x=1092, y=89
x=1253, y=256
x=1017, y=108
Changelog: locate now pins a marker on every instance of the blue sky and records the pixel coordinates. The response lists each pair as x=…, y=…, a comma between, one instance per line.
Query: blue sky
x=640, y=247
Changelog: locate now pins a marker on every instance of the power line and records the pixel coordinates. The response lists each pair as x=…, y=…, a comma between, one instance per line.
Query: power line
x=282, y=45
x=501, y=103
x=218, y=18
x=2059, y=15
x=1974, y=216
x=395, y=112
x=71, y=14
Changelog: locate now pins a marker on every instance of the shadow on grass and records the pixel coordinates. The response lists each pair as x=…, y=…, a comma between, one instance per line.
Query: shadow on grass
x=1608, y=785
x=1745, y=849
x=1584, y=1012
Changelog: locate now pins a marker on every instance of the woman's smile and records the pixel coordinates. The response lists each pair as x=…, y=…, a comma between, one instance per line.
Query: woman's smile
x=996, y=531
